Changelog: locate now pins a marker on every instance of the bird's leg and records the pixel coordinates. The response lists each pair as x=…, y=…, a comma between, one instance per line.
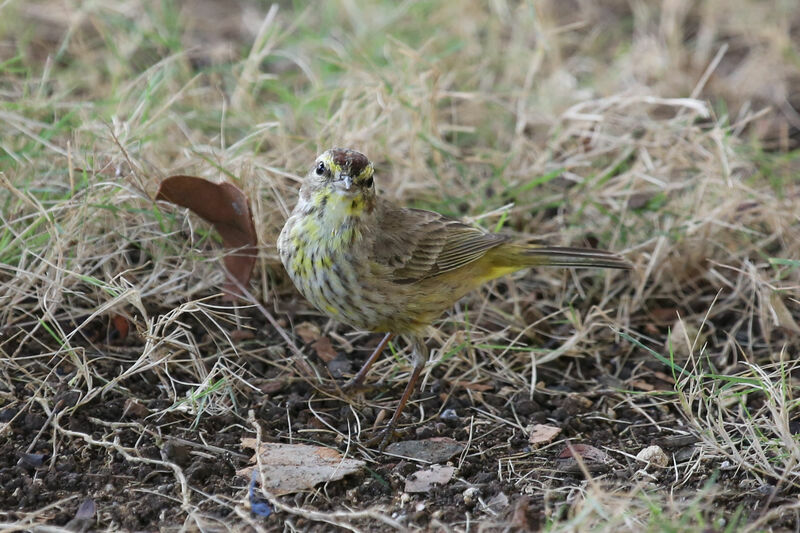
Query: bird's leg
x=358, y=379
x=420, y=358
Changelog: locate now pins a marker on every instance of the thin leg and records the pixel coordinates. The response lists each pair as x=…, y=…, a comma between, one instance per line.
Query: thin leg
x=358, y=379
x=420, y=359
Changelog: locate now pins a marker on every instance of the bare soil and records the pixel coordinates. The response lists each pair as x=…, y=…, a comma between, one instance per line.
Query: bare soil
x=500, y=481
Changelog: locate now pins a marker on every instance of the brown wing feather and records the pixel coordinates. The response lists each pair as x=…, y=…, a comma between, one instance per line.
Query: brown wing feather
x=417, y=244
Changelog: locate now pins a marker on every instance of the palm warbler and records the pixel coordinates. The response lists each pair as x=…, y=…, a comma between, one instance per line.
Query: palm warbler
x=376, y=266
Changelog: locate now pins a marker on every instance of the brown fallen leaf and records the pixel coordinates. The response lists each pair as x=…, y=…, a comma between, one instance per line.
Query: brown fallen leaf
x=663, y=377
x=269, y=386
x=587, y=452
x=673, y=442
x=118, y=327
x=324, y=349
x=594, y=459
x=642, y=385
x=239, y=335
x=289, y=468
x=433, y=450
x=135, y=409
x=307, y=331
x=425, y=479
x=226, y=207
x=664, y=315
x=639, y=200
x=497, y=503
x=539, y=434
x=781, y=314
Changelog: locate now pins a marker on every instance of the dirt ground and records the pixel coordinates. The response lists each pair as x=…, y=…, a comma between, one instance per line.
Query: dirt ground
x=135, y=466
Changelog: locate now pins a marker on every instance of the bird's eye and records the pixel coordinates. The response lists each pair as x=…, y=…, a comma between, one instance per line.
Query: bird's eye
x=368, y=183
x=320, y=169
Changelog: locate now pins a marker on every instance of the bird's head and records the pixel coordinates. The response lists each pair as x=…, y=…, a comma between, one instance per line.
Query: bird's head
x=342, y=170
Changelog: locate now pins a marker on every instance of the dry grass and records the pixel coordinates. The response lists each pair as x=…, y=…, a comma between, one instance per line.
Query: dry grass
x=667, y=133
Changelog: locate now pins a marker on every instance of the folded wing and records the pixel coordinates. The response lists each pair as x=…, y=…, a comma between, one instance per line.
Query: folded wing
x=416, y=244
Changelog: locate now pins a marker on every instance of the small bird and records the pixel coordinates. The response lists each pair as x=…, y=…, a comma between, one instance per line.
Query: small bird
x=376, y=266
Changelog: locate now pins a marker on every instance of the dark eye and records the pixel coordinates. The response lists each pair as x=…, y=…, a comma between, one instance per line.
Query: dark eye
x=368, y=183
x=320, y=169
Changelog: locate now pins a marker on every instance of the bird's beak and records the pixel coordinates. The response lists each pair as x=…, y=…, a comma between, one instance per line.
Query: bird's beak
x=348, y=182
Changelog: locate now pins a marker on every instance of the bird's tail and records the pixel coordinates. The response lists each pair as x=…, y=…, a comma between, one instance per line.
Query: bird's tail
x=562, y=256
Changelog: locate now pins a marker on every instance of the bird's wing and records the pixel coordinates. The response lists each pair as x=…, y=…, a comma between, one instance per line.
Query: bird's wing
x=417, y=244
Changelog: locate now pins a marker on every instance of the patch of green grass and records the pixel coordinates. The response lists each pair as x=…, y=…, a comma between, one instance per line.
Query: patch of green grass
x=777, y=169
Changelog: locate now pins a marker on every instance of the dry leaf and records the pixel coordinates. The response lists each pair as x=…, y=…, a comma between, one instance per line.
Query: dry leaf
x=227, y=208
x=270, y=386
x=781, y=314
x=324, y=349
x=507, y=391
x=434, y=450
x=663, y=377
x=586, y=452
x=239, y=335
x=594, y=459
x=664, y=315
x=642, y=385
x=135, y=409
x=307, y=331
x=640, y=200
x=296, y=467
x=424, y=480
x=539, y=434
x=118, y=328
x=498, y=502
x=684, y=337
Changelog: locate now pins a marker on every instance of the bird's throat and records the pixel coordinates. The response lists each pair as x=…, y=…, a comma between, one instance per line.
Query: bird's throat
x=332, y=221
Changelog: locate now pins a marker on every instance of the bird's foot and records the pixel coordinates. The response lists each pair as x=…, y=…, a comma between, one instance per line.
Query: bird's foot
x=382, y=438
x=353, y=385
x=349, y=387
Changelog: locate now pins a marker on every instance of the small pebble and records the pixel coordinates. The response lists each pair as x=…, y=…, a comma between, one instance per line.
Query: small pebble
x=449, y=415
x=653, y=455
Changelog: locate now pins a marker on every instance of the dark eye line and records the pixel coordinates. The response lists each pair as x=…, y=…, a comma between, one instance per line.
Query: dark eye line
x=369, y=182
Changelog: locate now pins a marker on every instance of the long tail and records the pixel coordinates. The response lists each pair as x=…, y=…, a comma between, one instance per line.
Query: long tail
x=569, y=257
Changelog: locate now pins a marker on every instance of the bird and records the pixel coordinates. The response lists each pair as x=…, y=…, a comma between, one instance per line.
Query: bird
x=374, y=265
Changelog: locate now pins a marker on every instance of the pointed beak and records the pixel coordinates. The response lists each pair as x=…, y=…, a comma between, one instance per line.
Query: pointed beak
x=348, y=181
